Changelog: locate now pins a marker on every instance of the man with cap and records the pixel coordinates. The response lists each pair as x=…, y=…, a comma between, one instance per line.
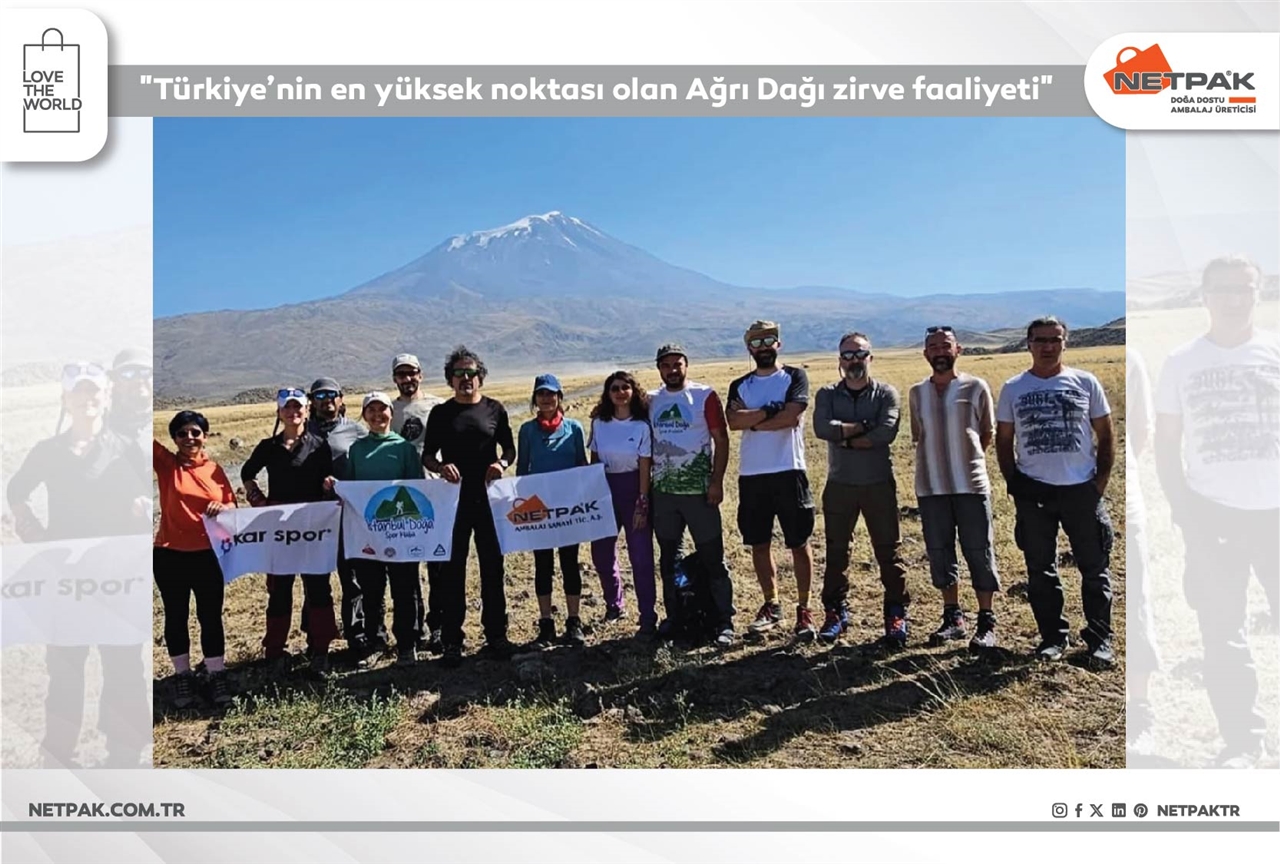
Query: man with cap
x=409, y=420
x=690, y=455
x=297, y=462
x=766, y=406
x=131, y=392
x=329, y=421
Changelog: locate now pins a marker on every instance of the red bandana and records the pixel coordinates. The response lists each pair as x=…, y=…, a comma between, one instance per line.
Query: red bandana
x=550, y=426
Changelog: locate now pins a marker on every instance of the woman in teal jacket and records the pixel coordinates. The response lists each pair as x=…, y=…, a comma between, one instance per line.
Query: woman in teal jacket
x=553, y=442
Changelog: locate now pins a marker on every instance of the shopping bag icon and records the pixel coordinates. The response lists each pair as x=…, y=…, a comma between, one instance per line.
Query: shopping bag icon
x=1139, y=73
x=51, y=85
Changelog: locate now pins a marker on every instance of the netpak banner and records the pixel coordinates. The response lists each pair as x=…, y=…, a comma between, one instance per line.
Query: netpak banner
x=546, y=511
x=398, y=520
x=283, y=538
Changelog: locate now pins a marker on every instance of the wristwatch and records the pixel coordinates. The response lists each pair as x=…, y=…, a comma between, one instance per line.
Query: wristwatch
x=504, y=463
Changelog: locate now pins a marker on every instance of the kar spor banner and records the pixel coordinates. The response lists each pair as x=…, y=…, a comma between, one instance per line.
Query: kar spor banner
x=398, y=520
x=546, y=511
x=285, y=538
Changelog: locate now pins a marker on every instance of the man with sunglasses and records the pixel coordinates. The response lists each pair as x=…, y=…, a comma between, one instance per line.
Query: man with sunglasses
x=858, y=417
x=409, y=415
x=766, y=406
x=469, y=441
x=1046, y=421
x=952, y=425
x=1218, y=458
x=131, y=394
x=329, y=421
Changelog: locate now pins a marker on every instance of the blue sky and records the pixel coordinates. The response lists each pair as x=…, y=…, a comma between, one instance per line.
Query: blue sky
x=255, y=213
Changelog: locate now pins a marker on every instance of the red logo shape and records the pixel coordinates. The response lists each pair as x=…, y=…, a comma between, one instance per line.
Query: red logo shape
x=1143, y=73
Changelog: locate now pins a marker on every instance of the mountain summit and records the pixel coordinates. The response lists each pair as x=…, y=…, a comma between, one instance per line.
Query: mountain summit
x=548, y=254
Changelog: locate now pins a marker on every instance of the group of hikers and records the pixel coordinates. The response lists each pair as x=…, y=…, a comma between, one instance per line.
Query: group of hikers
x=1215, y=417
x=665, y=454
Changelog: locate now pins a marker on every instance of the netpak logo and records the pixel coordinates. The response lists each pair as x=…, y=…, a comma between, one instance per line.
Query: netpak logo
x=531, y=512
x=1148, y=73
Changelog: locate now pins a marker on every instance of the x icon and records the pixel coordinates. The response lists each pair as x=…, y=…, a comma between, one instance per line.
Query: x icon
x=1097, y=810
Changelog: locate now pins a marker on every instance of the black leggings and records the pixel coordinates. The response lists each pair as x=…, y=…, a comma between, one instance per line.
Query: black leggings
x=544, y=568
x=178, y=575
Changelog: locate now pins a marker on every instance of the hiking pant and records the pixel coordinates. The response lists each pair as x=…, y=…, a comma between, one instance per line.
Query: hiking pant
x=474, y=517
x=179, y=575
x=625, y=488
x=1082, y=514
x=317, y=599
x=123, y=714
x=671, y=515
x=373, y=578
x=942, y=518
x=544, y=568
x=877, y=503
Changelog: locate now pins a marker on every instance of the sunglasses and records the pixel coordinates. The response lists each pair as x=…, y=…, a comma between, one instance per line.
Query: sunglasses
x=620, y=388
x=409, y=373
x=325, y=395
x=858, y=354
x=466, y=373
x=763, y=341
x=193, y=434
x=131, y=374
x=939, y=328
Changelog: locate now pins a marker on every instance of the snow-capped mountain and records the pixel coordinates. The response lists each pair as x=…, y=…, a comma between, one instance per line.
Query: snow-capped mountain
x=551, y=252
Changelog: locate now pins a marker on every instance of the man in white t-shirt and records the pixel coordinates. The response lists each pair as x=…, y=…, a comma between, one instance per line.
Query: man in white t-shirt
x=1046, y=420
x=409, y=415
x=1218, y=458
x=766, y=406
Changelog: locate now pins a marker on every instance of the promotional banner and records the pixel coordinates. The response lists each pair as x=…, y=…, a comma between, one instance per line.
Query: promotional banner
x=398, y=520
x=546, y=511
x=94, y=591
x=285, y=538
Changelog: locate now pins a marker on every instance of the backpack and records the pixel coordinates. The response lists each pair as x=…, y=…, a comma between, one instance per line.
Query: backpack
x=697, y=616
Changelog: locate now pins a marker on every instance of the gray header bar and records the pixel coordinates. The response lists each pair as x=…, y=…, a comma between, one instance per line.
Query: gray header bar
x=598, y=91
x=663, y=827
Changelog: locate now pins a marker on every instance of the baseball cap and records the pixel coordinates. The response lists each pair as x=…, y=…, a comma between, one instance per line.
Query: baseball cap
x=132, y=357
x=406, y=360
x=74, y=373
x=671, y=348
x=375, y=396
x=285, y=395
x=547, y=382
x=325, y=384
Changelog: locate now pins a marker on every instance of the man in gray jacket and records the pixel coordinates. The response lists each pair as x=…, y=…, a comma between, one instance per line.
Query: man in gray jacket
x=858, y=418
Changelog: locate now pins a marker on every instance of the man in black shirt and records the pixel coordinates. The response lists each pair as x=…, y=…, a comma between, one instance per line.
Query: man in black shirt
x=297, y=462
x=461, y=444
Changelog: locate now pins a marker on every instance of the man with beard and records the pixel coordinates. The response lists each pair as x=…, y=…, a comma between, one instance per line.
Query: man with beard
x=690, y=455
x=1218, y=459
x=409, y=420
x=131, y=391
x=766, y=406
x=329, y=421
x=952, y=425
x=858, y=418
x=1046, y=420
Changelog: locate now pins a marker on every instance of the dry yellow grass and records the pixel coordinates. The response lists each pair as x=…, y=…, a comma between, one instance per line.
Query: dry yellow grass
x=760, y=704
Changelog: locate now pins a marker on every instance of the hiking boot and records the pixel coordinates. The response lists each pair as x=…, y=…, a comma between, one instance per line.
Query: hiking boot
x=805, y=630
x=546, y=633
x=1101, y=656
x=434, y=643
x=1051, y=652
x=613, y=613
x=984, y=638
x=219, y=689
x=836, y=622
x=724, y=638
x=648, y=632
x=573, y=634
x=667, y=630
x=769, y=616
x=320, y=664
x=952, y=629
x=452, y=658
x=184, y=690
x=895, y=629
x=407, y=656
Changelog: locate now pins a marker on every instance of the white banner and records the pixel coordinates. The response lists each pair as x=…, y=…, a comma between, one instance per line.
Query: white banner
x=398, y=520
x=546, y=511
x=284, y=538
x=94, y=591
